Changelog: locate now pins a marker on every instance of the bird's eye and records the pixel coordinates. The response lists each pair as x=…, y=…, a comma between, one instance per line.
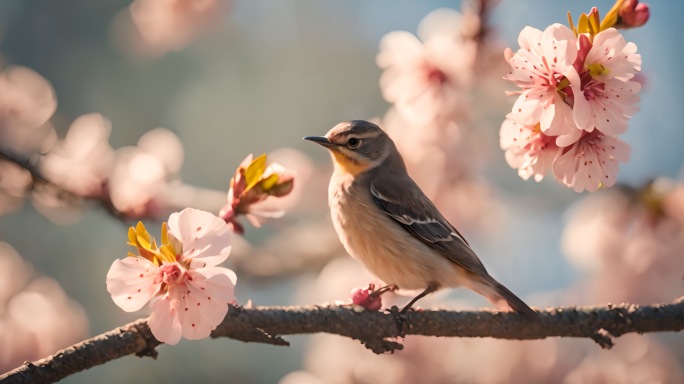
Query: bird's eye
x=353, y=142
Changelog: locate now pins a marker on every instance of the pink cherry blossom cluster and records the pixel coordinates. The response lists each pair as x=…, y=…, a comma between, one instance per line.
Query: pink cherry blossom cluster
x=577, y=93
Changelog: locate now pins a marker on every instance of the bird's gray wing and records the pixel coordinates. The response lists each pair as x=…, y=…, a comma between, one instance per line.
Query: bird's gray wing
x=421, y=219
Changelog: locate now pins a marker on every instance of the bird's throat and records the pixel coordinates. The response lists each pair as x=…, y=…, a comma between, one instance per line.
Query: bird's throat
x=347, y=165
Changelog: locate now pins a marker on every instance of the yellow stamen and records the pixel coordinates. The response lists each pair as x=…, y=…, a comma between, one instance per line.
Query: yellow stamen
x=596, y=70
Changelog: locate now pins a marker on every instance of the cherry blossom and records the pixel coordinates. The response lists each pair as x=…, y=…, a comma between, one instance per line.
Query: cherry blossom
x=577, y=93
x=528, y=149
x=37, y=317
x=591, y=162
x=190, y=293
x=608, y=98
x=27, y=102
x=424, y=77
x=155, y=27
x=82, y=161
x=139, y=184
x=543, y=69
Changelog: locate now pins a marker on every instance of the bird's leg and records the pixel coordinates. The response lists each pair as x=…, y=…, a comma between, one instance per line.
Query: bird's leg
x=430, y=288
x=392, y=287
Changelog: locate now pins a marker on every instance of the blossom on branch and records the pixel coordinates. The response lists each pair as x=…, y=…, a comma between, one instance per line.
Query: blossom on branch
x=253, y=183
x=576, y=95
x=191, y=293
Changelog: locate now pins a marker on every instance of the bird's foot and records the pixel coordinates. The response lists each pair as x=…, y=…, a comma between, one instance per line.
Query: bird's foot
x=378, y=292
x=402, y=319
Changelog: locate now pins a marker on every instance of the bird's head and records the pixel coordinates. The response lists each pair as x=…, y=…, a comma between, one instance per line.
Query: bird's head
x=356, y=146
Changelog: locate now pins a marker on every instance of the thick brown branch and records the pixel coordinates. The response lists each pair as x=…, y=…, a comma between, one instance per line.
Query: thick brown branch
x=378, y=331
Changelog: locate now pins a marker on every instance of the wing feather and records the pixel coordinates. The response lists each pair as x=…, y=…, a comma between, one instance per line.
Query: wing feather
x=422, y=220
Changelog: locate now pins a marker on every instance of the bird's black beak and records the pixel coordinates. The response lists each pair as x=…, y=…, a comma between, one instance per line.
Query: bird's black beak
x=322, y=140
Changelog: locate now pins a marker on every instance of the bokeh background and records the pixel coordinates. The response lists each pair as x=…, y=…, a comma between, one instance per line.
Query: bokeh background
x=256, y=76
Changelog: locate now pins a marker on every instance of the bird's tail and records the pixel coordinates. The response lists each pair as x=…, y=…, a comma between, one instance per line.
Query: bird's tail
x=497, y=293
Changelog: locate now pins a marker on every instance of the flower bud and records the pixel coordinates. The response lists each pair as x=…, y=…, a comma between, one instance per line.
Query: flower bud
x=633, y=14
x=363, y=297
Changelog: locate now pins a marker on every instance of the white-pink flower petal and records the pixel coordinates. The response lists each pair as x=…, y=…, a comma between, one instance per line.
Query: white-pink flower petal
x=205, y=237
x=132, y=282
x=527, y=149
x=591, y=162
x=164, y=321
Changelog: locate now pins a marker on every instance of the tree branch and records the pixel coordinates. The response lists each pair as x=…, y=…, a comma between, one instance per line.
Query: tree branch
x=378, y=331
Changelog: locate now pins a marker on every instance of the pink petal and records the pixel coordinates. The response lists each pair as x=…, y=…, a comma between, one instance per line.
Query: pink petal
x=528, y=37
x=205, y=237
x=131, y=282
x=204, y=301
x=164, y=321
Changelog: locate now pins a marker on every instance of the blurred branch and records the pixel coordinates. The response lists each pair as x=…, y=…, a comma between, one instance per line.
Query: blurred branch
x=378, y=331
x=38, y=181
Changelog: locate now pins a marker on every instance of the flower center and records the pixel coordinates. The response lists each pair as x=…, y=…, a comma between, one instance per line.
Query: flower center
x=172, y=274
x=437, y=76
x=597, y=69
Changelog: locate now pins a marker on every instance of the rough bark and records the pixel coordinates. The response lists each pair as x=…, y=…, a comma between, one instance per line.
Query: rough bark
x=379, y=331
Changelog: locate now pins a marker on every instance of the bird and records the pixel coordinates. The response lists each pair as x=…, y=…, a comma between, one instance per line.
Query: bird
x=385, y=221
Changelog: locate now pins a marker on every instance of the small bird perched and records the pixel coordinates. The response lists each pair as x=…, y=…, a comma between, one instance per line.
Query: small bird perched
x=385, y=220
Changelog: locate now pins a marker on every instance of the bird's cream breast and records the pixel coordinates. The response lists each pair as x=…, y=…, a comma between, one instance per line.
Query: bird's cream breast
x=385, y=248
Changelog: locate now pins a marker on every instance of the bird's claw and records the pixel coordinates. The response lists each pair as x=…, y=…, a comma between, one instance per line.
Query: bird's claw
x=401, y=317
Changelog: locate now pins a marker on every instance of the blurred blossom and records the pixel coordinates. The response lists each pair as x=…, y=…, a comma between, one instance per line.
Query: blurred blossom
x=55, y=206
x=137, y=182
x=634, y=359
x=307, y=245
x=81, y=162
x=164, y=145
x=155, y=27
x=626, y=235
x=36, y=317
x=27, y=101
x=14, y=182
x=576, y=94
x=253, y=183
x=424, y=78
x=190, y=293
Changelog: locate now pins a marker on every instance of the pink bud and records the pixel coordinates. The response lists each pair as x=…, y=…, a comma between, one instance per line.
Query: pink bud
x=584, y=48
x=238, y=184
x=362, y=297
x=633, y=14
